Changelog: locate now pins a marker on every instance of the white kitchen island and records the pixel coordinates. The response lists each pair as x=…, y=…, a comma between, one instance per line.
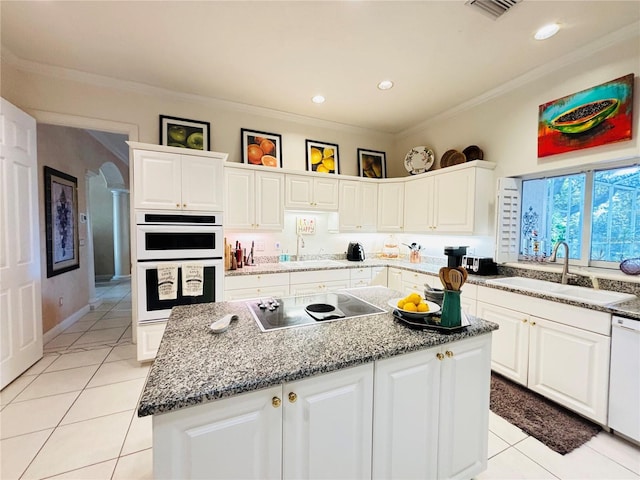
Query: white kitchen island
x=358, y=398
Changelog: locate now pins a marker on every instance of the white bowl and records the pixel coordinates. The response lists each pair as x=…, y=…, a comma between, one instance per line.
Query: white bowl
x=433, y=308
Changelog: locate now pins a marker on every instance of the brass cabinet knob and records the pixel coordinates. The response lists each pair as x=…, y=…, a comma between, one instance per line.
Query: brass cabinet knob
x=275, y=401
x=177, y=205
x=524, y=320
x=533, y=324
x=439, y=356
x=184, y=205
x=292, y=397
x=449, y=353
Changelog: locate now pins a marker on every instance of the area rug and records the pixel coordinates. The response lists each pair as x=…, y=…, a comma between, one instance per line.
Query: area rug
x=555, y=426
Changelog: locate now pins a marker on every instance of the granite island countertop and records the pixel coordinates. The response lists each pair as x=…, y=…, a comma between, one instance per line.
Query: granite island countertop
x=630, y=309
x=194, y=365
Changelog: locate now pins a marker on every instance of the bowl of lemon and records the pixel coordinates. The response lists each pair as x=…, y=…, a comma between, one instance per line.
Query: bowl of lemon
x=414, y=306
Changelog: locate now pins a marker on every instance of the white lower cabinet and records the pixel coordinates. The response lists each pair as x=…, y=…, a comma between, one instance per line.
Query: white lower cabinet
x=360, y=277
x=149, y=337
x=394, y=279
x=256, y=286
x=327, y=425
x=318, y=427
x=432, y=411
x=562, y=352
x=319, y=281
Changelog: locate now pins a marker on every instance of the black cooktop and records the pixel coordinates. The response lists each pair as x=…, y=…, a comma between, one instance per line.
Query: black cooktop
x=287, y=312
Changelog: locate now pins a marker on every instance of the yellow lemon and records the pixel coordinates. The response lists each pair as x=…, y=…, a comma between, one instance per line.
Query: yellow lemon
x=401, y=303
x=329, y=163
x=322, y=169
x=423, y=307
x=410, y=307
x=316, y=156
x=414, y=298
x=327, y=152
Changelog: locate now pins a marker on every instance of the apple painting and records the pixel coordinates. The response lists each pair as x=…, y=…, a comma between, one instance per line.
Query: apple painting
x=177, y=133
x=184, y=133
x=195, y=141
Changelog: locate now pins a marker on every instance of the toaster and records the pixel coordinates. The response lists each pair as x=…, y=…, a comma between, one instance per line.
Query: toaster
x=479, y=265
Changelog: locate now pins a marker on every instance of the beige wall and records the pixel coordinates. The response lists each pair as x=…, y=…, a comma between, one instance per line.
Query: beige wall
x=73, y=152
x=506, y=127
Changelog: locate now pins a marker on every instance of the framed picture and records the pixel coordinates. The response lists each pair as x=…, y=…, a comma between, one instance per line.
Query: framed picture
x=261, y=148
x=372, y=164
x=322, y=157
x=590, y=118
x=61, y=221
x=180, y=132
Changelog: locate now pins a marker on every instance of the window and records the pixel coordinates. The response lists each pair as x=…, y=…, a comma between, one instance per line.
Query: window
x=596, y=212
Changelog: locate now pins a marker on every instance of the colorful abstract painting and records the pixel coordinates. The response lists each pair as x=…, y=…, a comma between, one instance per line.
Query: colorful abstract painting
x=593, y=117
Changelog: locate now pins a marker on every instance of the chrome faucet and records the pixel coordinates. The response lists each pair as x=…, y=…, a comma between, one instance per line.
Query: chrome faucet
x=299, y=245
x=565, y=267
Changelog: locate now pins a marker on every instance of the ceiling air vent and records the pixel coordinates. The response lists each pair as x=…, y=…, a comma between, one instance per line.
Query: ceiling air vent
x=492, y=8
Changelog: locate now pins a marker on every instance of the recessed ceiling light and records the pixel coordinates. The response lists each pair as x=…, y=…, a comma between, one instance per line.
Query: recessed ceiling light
x=318, y=99
x=385, y=85
x=547, y=31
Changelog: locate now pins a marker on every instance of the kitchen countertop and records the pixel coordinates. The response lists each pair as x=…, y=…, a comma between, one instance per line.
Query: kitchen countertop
x=630, y=309
x=194, y=365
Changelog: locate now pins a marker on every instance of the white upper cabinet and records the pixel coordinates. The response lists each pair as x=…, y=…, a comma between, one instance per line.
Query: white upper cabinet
x=390, y=207
x=164, y=180
x=358, y=206
x=311, y=193
x=253, y=199
x=459, y=201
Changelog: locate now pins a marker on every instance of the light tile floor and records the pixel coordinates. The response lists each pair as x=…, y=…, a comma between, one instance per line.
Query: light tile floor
x=73, y=415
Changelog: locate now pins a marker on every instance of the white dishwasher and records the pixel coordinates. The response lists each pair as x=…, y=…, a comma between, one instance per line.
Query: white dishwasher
x=624, y=383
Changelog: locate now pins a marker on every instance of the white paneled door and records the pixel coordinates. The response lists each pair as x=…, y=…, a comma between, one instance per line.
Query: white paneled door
x=20, y=282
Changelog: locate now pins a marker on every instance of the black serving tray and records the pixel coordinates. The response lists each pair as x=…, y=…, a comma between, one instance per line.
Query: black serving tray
x=431, y=322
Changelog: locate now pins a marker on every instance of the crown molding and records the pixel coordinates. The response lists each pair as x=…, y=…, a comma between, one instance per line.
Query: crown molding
x=625, y=33
x=149, y=90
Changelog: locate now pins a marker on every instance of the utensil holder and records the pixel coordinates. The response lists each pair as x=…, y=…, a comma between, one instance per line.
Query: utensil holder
x=414, y=256
x=451, y=314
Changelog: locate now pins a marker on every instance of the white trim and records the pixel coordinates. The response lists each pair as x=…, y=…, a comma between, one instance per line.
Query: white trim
x=586, y=51
x=75, y=121
x=143, y=89
x=66, y=323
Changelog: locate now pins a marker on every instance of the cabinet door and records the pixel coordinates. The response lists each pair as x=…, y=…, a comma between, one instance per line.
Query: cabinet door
x=328, y=424
x=413, y=282
x=240, y=199
x=202, y=184
x=368, y=207
x=157, y=180
x=405, y=434
x=325, y=193
x=510, y=345
x=379, y=276
x=299, y=192
x=390, y=207
x=570, y=366
x=269, y=196
x=210, y=440
x=276, y=291
x=349, y=212
x=148, y=340
x=394, y=279
x=465, y=382
x=453, y=201
x=319, y=287
x=419, y=195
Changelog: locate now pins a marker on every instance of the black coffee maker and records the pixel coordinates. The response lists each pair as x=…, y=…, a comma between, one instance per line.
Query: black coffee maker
x=454, y=256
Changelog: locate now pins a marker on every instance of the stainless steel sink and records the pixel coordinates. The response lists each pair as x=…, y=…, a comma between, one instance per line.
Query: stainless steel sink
x=568, y=292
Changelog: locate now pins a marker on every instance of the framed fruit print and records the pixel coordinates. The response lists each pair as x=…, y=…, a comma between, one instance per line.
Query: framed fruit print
x=184, y=133
x=372, y=164
x=322, y=157
x=261, y=148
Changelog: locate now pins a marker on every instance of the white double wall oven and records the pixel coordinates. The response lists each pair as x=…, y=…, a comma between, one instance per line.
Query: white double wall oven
x=177, y=238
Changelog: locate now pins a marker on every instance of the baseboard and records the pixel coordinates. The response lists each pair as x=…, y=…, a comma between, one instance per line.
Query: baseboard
x=66, y=323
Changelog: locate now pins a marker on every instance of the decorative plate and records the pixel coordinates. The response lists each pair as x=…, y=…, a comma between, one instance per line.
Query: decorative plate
x=473, y=152
x=419, y=160
x=433, y=308
x=631, y=266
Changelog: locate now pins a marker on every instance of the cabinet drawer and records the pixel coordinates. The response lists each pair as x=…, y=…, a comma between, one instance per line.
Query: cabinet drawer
x=360, y=273
x=256, y=281
x=319, y=276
